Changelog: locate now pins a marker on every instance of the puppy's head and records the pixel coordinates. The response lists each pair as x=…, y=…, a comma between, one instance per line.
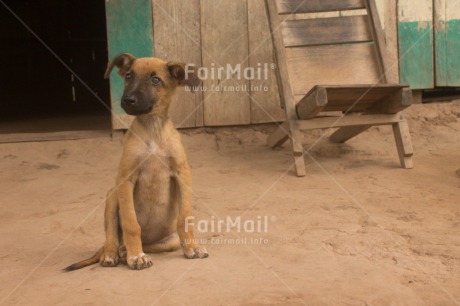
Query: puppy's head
x=149, y=82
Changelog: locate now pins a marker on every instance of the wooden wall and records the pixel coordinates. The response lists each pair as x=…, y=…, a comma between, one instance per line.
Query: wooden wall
x=213, y=33
x=447, y=42
x=416, y=49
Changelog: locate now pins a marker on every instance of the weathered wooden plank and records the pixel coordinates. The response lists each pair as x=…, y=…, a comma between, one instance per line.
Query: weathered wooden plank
x=326, y=31
x=129, y=29
x=393, y=104
x=453, y=38
x=386, y=102
x=417, y=96
x=331, y=65
x=283, y=77
x=440, y=35
x=265, y=98
x=384, y=98
x=370, y=93
x=287, y=94
x=224, y=33
x=404, y=144
x=312, y=104
x=331, y=122
x=177, y=38
x=415, y=35
x=308, y=6
x=447, y=42
x=377, y=35
x=391, y=39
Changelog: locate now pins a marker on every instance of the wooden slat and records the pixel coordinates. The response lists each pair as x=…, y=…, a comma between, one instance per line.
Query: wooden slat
x=377, y=35
x=447, y=42
x=352, y=120
x=312, y=104
x=287, y=94
x=364, y=93
x=265, y=98
x=283, y=78
x=359, y=98
x=312, y=6
x=391, y=105
x=129, y=29
x=391, y=40
x=326, y=31
x=173, y=18
x=404, y=144
x=441, y=42
x=224, y=34
x=333, y=65
x=415, y=43
x=382, y=98
x=395, y=103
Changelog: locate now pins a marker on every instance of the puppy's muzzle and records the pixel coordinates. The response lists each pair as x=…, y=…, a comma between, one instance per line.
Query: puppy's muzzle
x=132, y=106
x=129, y=100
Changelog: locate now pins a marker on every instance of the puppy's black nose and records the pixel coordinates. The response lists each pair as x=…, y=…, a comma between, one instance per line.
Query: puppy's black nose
x=129, y=100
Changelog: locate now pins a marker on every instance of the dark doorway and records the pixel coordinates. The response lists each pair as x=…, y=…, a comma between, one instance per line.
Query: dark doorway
x=34, y=85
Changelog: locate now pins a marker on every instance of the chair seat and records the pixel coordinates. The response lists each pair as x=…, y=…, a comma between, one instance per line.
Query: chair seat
x=371, y=98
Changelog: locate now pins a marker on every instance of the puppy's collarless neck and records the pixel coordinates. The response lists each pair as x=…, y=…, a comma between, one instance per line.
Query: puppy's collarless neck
x=152, y=124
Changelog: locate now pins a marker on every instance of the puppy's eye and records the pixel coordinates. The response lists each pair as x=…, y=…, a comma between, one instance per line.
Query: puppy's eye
x=156, y=81
x=128, y=76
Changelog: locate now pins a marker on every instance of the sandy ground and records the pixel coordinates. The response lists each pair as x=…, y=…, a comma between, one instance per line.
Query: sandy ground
x=357, y=230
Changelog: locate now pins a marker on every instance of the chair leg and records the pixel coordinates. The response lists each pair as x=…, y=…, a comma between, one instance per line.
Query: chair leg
x=404, y=144
x=297, y=150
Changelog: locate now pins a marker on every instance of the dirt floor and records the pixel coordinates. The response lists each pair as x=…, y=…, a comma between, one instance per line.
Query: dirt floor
x=357, y=230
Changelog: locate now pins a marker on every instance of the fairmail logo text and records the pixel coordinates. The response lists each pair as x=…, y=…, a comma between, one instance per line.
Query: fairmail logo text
x=217, y=72
x=214, y=225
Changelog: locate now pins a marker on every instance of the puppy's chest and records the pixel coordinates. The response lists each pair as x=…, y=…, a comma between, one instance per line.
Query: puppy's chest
x=152, y=189
x=156, y=161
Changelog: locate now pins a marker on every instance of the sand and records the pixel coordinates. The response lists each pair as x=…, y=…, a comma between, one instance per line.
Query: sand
x=357, y=230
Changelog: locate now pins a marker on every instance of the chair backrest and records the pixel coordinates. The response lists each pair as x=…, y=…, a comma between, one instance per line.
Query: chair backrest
x=341, y=48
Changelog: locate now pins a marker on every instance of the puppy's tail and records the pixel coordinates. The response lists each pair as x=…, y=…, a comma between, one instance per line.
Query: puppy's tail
x=86, y=262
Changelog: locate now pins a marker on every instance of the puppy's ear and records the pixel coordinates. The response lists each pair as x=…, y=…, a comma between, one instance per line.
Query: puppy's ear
x=184, y=75
x=123, y=61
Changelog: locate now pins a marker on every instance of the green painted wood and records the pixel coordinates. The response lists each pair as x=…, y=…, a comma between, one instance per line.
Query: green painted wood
x=416, y=53
x=441, y=54
x=447, y=38
x=453, y=52
x=129, y=29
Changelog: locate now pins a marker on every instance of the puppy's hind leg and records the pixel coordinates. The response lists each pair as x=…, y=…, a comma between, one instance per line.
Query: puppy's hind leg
x=168, y=244
x=109, y=257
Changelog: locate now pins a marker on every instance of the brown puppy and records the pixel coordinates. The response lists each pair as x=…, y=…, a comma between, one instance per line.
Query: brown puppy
x=146, y=211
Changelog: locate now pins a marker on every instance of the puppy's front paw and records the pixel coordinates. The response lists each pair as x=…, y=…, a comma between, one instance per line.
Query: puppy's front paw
x=139, y=262
x=196, y=251
x=109, y=259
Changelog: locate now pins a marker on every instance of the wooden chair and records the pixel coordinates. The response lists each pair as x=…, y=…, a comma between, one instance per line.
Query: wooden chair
x=345, y=52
